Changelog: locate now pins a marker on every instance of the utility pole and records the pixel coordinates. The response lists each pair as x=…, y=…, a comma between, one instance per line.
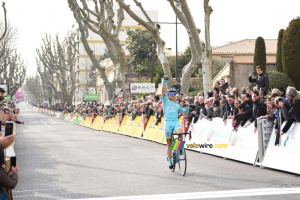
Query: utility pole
x=176, y=59
x=152, y=61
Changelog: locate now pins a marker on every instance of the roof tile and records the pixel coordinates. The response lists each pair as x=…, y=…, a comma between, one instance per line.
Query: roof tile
x=246, y=46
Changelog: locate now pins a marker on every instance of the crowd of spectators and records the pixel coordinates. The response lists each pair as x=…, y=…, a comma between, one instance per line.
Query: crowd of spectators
x=8, y=173
x=243, y=107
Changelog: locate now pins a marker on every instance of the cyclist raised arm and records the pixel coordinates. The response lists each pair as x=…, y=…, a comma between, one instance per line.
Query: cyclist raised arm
x=171, y=110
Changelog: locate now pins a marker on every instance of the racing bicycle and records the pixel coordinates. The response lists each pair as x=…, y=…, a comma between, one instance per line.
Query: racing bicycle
x=179, y=156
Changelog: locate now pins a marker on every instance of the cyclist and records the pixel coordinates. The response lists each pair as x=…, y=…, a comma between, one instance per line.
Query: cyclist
x=171, y=110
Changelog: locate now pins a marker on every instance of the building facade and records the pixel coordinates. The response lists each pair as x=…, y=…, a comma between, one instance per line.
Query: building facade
x=240, y=56
x=85, y=84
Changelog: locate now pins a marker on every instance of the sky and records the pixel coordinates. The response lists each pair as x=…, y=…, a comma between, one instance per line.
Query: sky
x=231, y=21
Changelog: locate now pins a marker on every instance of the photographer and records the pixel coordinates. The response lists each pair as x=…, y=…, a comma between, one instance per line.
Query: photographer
x=222, y=86
x=148, y=109
x=292, y=115
x=8, y=177
x=261, y=80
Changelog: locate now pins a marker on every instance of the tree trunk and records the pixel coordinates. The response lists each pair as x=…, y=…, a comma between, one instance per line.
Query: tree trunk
x=207, y=64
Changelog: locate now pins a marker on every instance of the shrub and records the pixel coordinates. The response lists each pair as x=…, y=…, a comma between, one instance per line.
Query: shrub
x=279, y=51
x=278, y=79
x=291, y=51
x=260, y=54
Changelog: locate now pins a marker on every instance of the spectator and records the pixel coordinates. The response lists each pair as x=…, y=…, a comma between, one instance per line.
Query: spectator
x=292, y=115
x=246, y=98
x=259, y=109
x=281, y=91
x=194, y=112
x=8, y=177
x=176, y=86
x=223, y=111
x=245, y=113
x=2, y=115
x=261, y=80
x=230, y=105
x=222, y=86
x=216, y=108
x=216, y=94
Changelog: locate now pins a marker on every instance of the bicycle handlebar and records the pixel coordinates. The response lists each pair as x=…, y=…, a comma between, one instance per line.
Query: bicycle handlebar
x=183, y=134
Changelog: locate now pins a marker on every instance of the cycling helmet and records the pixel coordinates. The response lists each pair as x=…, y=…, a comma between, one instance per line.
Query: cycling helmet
x=171, y=90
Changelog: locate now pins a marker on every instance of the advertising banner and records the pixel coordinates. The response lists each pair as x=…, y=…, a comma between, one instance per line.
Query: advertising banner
x=142, y=88
x=286, y=155
x=243, y=145
x=91, y=97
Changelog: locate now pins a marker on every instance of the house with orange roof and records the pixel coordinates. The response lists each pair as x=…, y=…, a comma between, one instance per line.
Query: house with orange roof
x=241, y=55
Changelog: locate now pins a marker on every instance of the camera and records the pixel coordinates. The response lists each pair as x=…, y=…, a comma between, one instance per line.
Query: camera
x=13, y=161
x=9, y=128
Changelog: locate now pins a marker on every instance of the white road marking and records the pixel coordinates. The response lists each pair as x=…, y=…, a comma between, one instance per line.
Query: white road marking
x=208, y=195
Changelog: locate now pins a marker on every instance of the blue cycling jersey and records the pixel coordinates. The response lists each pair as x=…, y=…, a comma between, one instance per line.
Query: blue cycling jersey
x=171, y=109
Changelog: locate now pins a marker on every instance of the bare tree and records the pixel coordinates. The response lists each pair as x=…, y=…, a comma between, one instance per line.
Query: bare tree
x=194, y=34
x=5, y=21
x=56, y=66
x=195, y=61
x=100, y=20
x=34, y=89
x=154, y=29
x=47, y=67
x=12, y=68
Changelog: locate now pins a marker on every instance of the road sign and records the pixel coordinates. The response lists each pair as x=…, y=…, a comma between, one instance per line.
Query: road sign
x=91, y=97
x=7, y=98
x=119, y=100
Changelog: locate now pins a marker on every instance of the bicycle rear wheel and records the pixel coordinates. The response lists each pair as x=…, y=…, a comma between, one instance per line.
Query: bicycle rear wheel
x=182, y=163
x=174, y=155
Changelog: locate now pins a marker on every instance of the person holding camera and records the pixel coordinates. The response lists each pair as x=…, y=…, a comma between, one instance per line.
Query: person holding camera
x=261, y=80
x=8, y=175
x=292, y=115
x=222, y=86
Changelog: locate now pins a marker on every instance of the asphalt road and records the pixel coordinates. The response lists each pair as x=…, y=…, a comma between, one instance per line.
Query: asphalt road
x=60, y=160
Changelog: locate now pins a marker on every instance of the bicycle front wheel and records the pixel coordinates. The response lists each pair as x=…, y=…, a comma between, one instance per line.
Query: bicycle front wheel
x=174, y=160
x=182, y=163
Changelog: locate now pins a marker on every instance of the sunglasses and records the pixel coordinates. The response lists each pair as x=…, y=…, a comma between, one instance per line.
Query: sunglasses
x=172, y=94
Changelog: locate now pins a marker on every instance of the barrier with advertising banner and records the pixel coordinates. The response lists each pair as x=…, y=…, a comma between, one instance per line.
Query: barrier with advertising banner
x=243, y=145
x=95, y=123
x=150, y=129
x=219, y=135
x=264, y=129
x=138, y=128
x=78, y=122
x=124, y=124
x=286, y=155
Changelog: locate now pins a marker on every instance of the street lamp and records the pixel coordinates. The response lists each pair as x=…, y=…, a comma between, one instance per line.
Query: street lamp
x=176, y=47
